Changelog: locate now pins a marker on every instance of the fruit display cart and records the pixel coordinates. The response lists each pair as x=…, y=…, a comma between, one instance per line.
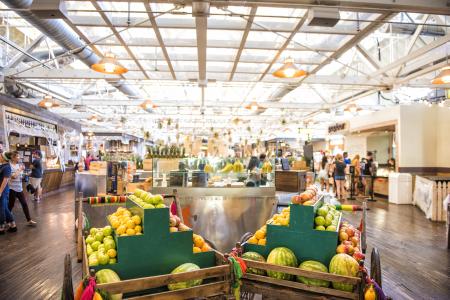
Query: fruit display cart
x=146, y=252
x=297, y=256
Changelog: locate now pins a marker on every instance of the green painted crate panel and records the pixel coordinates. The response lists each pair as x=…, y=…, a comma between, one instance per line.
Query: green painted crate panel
x=157, y=251
x=300, y=236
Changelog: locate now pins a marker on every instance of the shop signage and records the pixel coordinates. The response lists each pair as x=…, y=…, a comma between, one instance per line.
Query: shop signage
x=338, y=127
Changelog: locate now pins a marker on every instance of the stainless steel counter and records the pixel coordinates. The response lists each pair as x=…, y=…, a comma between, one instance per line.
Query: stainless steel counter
x=223, y=215
x=89, y=184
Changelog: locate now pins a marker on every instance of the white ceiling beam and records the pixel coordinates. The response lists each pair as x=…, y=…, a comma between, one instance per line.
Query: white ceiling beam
x=284, y=46
x=413, y=55
x=243, y=41
x=424, y=71
x=412, y=42
x=16, y=60
x=368, y=57
x=201, y=24
x=159, y=38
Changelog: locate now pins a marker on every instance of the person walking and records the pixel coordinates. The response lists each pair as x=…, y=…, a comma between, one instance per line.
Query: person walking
x=7, y=222
x=339, y=176
x=368, y=174
x=16, y=188
x=36, y=175
x=324, y=168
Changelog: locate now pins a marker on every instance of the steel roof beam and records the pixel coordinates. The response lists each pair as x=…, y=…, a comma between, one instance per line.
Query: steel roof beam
x=201, y=24
x=16, y=60
x=119, y=37
x=243, y=41
x=159, y=37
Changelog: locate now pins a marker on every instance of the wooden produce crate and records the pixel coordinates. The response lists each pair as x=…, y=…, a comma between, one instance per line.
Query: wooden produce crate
x=300, y=236
x=272, y=288
x=157, y=251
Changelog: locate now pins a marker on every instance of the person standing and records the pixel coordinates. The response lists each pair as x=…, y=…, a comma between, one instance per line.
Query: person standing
x=87, y=161
x=6, y=217
x=339, y=176
x=347, y=159
x=16, y=188
x=324, y=168
x=368, y=173
x=357, y=166
x=36, y=175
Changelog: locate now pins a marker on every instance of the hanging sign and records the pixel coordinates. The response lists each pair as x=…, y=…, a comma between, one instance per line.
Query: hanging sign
x=338, y=127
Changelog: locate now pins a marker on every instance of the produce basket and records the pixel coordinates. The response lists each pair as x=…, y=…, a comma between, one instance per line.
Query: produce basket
x=308, y=245
x=144, y=261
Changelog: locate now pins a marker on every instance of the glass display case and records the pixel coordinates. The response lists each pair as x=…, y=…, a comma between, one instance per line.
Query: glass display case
x=210, y=172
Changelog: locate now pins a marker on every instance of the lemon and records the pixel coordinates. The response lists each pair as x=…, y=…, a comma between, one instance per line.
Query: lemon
x=259, y=234
x=121, y=229
x=196, y=250
x=136, y=220
x=130, y=224
x=131, y=231
x=138, y=229
x=253, y=240
x=262, y=242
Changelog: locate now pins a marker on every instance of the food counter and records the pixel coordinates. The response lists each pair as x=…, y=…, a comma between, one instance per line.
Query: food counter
x=290, y=181
x=381, y=186
x=55, y=179
x=224, y=214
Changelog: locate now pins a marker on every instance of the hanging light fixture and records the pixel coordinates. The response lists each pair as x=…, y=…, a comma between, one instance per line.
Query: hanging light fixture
x=148, y=105
x=94, y=118
x=109, y=65
x=443, y=76
x=289, y=70
x=353, y=108
x=48, y=102
x=253, y=106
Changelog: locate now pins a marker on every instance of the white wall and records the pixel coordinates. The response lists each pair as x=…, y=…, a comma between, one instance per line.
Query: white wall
x=443, y=138
x=380, y=142
x=356, y=144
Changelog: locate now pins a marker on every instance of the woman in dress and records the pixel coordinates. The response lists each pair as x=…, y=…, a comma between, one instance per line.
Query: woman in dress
x=323, y=174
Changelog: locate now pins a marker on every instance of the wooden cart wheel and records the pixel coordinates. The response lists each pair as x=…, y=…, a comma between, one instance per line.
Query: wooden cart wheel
x=375, y=266
x=245, y=237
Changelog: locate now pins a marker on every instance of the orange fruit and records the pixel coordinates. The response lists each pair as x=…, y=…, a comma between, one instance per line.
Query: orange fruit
x=253, y=240
x=206, y=247
x=196, y=249
x=131, y=231
x=262, y=242
x=259, y=234
x=283, y=221
x=199, y=241
x=264, y=229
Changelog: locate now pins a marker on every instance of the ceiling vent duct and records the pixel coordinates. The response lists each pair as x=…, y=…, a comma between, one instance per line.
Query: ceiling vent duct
x=323, y=17
x=49, y=9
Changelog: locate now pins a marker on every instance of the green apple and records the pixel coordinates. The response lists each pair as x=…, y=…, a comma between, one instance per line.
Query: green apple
x=93, y=261
x=147, y=198
x=148, y=205
x=112, y=261
x=320, y=221
x=99, y=236
x=157, y=199
x=90, y=239
x=93, y=231
x=101, y=248
x=103, y=258
x=322, y=211
x=109, y=244
x=160, y=205
x=107, y=230
x=109, y=237
x=328, y=219
x=95, y=245
x=89, y=250
x=331, y=228
x=320, y=227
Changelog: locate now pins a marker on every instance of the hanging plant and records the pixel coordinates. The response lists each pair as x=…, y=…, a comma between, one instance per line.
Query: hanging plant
x=147, y=135
x=177, y=126
x=216, y=135
x=212, y=129
x=229, y=131
x=249, y=129
x=169, y=121
x=160, y=125
x=123, y=120
x=283, y=122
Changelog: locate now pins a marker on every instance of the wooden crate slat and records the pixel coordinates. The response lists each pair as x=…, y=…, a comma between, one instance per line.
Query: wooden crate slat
x=302, y=286
x=139, y=284
x=297, y=271
x=205, y=290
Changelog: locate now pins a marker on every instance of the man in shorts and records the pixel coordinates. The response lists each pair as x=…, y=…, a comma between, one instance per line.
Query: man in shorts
x=36, y=175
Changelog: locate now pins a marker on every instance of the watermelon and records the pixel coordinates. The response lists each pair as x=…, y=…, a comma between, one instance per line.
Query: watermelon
x=344, y=264
x=311, y=265
x=187, y=267
x=108, y=276
x=281, y=256
x=256, y=257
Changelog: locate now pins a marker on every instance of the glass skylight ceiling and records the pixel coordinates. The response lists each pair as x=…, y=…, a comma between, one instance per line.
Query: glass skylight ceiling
x=238, y=63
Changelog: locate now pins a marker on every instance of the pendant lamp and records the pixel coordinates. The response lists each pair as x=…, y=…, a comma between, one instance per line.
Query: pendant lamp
x=109, y=65
x=253, y=106
x=443, y=77
x=147, y=105
x=289, y=70
x=48, y=102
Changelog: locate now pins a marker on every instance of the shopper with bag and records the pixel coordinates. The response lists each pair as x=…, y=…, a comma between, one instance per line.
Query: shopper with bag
x=16, y=189
x=7, y=222
x=339, y=176
x=324, y=168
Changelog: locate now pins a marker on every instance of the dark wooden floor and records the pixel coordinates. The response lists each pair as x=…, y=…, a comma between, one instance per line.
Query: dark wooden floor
x=415, y=262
